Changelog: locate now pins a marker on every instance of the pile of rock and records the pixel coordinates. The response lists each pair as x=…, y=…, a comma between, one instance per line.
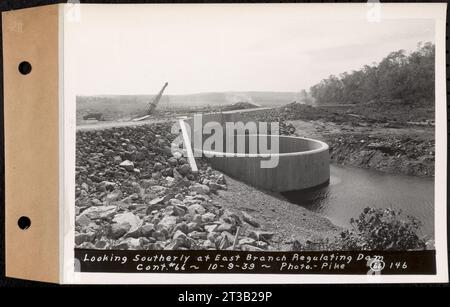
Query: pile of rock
x=131, y=193
x=390, y=153
x=274, y=115
x=240, y=105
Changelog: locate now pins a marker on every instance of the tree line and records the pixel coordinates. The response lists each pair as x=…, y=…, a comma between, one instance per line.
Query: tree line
x=401, y=77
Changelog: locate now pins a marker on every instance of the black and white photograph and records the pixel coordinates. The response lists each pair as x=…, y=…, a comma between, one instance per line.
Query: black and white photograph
x=264, y=129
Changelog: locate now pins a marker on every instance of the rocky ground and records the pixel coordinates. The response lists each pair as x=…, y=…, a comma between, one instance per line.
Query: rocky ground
x=390, y=140
x=405, y=154
x=288, y=221
x=408, y=151
x=131, y=193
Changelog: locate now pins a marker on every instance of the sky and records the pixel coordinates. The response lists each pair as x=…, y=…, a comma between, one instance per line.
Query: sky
x=135, y=49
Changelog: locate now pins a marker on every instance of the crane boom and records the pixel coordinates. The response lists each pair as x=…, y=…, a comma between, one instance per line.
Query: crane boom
x=154, y=103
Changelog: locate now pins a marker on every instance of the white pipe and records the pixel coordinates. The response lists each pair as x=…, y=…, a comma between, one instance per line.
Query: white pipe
x=187, y=144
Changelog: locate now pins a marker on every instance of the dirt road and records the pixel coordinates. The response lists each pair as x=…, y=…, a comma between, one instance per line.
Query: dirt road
x=99, y=125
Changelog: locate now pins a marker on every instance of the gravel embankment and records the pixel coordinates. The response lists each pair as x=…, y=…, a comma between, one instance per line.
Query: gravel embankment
x=131, y=193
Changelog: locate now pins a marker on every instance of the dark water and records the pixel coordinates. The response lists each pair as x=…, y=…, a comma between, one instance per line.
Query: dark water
x=352, y=189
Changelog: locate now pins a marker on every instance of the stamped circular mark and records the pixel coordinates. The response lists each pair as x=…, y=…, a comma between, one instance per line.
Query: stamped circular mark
x=25, y=68
x=377, y=265
x=24, y=222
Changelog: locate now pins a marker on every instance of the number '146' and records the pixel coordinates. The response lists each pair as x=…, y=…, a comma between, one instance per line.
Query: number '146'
x=398, y=265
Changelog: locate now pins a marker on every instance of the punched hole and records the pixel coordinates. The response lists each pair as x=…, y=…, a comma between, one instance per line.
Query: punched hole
x=24, y=222
x=25, y=68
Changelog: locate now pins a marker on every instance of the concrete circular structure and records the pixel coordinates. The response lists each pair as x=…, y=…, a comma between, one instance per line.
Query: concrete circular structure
x=299, y=163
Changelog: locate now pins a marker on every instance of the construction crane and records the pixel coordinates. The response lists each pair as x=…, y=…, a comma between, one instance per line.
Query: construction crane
x=153, y=104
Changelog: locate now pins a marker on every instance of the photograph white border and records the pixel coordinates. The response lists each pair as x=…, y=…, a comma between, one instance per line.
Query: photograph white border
x=68, y=92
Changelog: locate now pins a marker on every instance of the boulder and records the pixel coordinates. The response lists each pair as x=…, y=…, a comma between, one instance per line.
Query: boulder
x=208, y=245
x=101, y=212
x=156, y=201
x=156, y=175
x=176, y=175
x=179, y=234
x=159, y=235
x=87, y=245
x=128, y=165
x=174, y=201
x=101, y=244
x=147, y=183
x=84, y=237
x=118, y=230
x=96, y=202
x=198, y=235
x=117, y=160
x=129, y=218
x=226, y=227
x=229, y=236
x=248, y=241
x=196, y=209
x=130, y=243
x=175, y=244
x=168, y=221
x=114, y=196
x=231, y=218
x=160, y=190
x=192, y=226
x=170, y=181
x=212, y=236
x=208, y=217
x=147, y=230
x=221, y=179
x=158, y=167
x=179, y=210
x=251, y=248
x=173, y=161
x=108, y=185
x=211, y=228
x=184, y=169
x=83, y=221
x=199, y=188
x=197, y=218
x=182, y=227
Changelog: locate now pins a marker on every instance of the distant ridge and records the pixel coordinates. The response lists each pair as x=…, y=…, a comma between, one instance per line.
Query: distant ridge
x=260, y=98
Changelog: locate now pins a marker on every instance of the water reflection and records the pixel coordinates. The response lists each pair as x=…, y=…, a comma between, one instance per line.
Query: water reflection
x=350, y=190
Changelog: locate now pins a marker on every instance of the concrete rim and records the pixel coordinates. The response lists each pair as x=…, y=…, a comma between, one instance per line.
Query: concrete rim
x=323, y=147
